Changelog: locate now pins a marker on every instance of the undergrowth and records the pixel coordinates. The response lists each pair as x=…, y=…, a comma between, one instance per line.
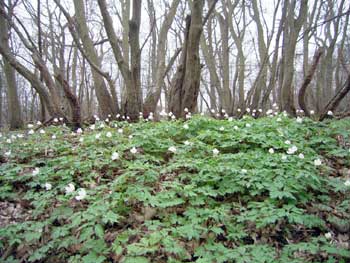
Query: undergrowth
x=204, y=190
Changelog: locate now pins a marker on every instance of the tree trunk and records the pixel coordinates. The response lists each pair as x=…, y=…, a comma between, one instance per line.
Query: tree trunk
x=104, y=98
x=153, y=96
x=307, y=80
x=188, y=89
x=73, y=101
x=290, y=35
x=133, y=102
x=335, y=101
x=15, y=115
x=1, y=89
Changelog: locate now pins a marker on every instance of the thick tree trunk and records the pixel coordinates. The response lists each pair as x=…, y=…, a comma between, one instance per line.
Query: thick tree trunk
x=133, y=103
x=15, y=115
x=73, y=101
x=290, y=36
x=189, y=89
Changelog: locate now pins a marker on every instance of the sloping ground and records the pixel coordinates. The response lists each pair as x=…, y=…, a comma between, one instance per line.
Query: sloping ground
x=265, y=190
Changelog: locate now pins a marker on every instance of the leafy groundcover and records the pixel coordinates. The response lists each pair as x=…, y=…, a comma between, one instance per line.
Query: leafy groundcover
x=204, y=190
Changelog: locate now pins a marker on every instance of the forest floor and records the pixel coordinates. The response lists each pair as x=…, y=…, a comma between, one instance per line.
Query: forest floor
x=205, y=190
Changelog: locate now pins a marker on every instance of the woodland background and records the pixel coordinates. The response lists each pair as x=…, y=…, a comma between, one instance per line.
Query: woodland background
x=74, y=59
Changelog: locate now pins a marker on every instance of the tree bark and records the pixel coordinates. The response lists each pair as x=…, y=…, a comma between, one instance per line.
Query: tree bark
x=307, y=80
x=15, y=115
x=335, y=101
x=73, y=101
x=290, y=35
x=153, y=96
x=104, y=98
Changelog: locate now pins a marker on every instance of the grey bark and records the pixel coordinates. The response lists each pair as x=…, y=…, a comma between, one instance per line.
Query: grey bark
x=15, y=115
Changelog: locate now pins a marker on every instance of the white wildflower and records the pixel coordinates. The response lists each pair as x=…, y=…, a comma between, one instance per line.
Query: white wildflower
x=133, y=150
x=172, y=149
x=97, y=136
x=222, y=128
x=328, y=235
x=120, y=130
x=38, y=123
x=287, y=142
x=8, y=153
x=53, y=137
x=42, y=131
x=48, y=186
x=312, y=112
x=115, y=156
x=238, y=110
x=330, y=113
x=61, y=119
x=248, y=125
x=347, y=182
x=301, y=156
x=235, y=127
x=81, y=194
x=215, y=152
x=79, y=131
x=92, y=127
x=81, y=139
x=292, y=150
x=244, y=171
x=130, y=136
x=109, y=134
x=31, y=131
x=8, y=141
x=186, y=110
x=284, y=157
x=317, y=162
x=55, y=120
x=70, y=188
x=271, y=150
x=30, y=126
x=36, y=171
x=299, y=120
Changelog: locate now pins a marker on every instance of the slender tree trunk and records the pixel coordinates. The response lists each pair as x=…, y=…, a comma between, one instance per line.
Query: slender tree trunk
x=307, y=80
x=335, y=101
